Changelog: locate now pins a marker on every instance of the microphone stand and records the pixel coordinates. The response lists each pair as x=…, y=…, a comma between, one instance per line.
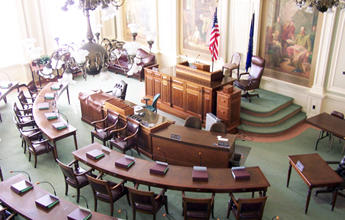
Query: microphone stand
x=20, y=171
x=87, y=204
x=165, y=156
x=49, y=184
x=9, y=84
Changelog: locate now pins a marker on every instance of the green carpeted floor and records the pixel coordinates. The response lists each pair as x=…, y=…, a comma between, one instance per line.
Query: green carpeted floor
x=288, y=203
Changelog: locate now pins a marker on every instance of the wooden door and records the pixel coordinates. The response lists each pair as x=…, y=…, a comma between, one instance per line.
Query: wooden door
x=193, y=101
x=157, y=78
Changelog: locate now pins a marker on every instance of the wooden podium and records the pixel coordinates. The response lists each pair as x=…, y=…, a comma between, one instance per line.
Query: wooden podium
x=201, y=73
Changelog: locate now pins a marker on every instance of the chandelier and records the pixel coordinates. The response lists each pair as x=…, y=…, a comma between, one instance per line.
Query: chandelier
x=97, y=55
x=320, y=5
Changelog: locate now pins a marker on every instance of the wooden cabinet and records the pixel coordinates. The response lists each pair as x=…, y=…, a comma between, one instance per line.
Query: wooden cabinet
x=193, y=99
x=229, y=107
x=166, y=91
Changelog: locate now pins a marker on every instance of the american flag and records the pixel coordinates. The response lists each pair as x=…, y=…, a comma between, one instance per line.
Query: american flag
x=213, y=47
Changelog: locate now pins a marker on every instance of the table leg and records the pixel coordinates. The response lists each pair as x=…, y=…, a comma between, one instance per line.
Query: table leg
x=5, y=99
x=335, y=194
x=308, y=200
x=289, y=174
x=68, y=95
x=55, y=150
x=75, y=141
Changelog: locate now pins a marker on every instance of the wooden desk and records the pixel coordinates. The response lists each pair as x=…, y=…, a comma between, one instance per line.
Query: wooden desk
x=45, y=125
x=5, y=92
x=25, y=204
x=329, y=124
x=316, y=173
x=193, y=141
x=177, y=177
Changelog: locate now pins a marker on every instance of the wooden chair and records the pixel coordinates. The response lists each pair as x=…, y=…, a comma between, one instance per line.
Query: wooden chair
x=147, y=202
x=110, y=123
x=38, y=147
x=130, y=139
x=341, y=116
x=219, y=127
x=26, y=105
x=76, y=177
x=248, y=209
x=27, y=130
x=254, y=77
x=153, y=106
x=197, y=208
x=33, y=89
x=107, y=191
x=193, y=122
x=22, y=117
x=234, y=64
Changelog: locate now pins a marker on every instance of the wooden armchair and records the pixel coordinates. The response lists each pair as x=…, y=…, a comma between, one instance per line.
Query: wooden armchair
x=193, y=122
x=219, y=127
x=27, y=130
x=248, y=209
x=130, y=140
x=107, y=191
x=26, y=105
x=197, y=208
x=110, y=123
x=254, y=77
x=147, y=202
x=33, y=89
x=233, y=64
x=38, y=147
x=76, y=177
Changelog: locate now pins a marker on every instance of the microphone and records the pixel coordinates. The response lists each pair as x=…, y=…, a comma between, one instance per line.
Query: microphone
x=49, y=184
x=165, y=156
x=200, y=158
x=196, y=58
x=275, y=217
x=9, y=84
x=125, y=211
x=87, y=205
x=64, y=116
x=20, y=171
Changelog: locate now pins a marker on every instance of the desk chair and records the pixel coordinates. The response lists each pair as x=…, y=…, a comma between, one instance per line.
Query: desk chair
x=130, y=139
x=120, y=89
x=110, y=123
x=335, y=190
x=234, y=64
x=254, y=77
x=248, y=209
x=75, y=178
x=27, y=130
x=38, y=147
x=107, y=191
x=147, y=202
x=197, y=208
x=153, y=106
x=27, y=106
x=219, y=127
x=193, y=122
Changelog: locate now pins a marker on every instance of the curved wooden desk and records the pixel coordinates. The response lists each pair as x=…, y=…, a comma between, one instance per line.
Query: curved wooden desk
x=220, y=180
x=193, y=141
x=25, y=204
x=45, y=125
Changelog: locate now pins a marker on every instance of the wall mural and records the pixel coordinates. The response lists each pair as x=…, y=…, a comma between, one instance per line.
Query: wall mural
x=289, y=42
x=197, y=24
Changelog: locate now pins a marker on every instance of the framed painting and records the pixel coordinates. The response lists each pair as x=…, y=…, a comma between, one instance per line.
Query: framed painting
x=139, y=12
x=289, y=42
x=196, y=23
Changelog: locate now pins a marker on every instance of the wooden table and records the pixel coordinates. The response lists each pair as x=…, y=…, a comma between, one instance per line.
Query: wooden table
x=45, y=125
x=220, y=180
x=193, y=141
x=316, y=173
x=5, y=92
x=329, y=124
x=25, y=204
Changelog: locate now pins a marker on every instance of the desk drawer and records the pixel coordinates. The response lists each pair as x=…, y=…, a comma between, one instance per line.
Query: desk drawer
x=222, y=111
x=222, y=100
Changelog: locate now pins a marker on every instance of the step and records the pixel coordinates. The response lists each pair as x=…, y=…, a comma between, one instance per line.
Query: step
x=285, y=126
x=271, y=120
x=268, y=104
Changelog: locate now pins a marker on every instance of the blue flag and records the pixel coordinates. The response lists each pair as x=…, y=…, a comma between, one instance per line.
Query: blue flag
x=250, y=45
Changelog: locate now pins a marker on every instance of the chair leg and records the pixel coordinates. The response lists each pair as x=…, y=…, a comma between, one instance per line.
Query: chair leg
x=92, y=138
x=78, y=194
x=229, y=207
x=128, y=200
x=111, y=209
x=166, y=206
x=66, y=188
x=138, y=150
x=95, y=200
x=35, y=160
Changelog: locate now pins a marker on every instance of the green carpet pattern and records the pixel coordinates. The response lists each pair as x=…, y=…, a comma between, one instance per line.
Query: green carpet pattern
x=270, y=114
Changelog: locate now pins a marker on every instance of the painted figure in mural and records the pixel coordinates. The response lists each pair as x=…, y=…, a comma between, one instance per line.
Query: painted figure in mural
x=278, y=27
x=299, y=52
x=196, y=35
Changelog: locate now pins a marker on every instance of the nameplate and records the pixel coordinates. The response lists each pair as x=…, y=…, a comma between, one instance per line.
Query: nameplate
x=223, y=144
x=300, y=166
x=175, y=137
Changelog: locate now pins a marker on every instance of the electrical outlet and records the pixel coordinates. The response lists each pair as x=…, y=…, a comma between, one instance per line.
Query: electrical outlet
x=314, y=107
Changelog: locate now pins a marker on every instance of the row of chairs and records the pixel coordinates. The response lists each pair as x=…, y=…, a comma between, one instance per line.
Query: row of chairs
x=195, y=122
x=149, y=202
